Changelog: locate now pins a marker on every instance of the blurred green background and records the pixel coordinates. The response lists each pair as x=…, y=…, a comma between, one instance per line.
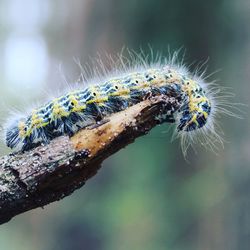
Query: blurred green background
x=146, y=196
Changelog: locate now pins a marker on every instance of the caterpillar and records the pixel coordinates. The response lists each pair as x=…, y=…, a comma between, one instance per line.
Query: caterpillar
x=117, y=91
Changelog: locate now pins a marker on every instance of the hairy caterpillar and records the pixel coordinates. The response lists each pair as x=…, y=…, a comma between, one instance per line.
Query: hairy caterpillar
x=115, y=92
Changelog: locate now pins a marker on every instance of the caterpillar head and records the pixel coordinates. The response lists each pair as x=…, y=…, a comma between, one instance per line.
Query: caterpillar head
x=195, y=119
x=196, y=108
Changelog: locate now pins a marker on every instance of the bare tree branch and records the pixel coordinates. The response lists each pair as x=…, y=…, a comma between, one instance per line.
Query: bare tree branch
x=50, y=172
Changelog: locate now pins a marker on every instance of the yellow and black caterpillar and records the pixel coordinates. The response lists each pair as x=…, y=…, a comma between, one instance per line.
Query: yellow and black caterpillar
x=77, y=109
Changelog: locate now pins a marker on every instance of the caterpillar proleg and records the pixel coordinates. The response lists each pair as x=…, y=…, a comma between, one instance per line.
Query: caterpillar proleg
x=126, y=85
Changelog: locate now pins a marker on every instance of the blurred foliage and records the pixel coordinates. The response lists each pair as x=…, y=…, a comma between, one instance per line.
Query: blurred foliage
x=146, y=196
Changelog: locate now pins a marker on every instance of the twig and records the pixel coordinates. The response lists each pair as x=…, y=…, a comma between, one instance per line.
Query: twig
x=50, y=172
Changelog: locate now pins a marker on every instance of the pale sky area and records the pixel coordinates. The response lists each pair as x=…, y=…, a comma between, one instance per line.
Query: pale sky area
x=24, y=50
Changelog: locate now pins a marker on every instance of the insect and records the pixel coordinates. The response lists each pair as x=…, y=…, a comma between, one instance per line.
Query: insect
x=90, y=104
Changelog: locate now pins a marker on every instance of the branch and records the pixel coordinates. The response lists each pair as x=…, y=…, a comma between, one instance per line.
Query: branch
x=50, y=172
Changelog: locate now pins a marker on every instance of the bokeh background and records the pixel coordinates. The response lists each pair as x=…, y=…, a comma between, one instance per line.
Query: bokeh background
x=146, y=196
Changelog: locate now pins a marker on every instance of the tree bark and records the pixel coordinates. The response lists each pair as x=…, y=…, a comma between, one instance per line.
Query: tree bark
x=50, y=172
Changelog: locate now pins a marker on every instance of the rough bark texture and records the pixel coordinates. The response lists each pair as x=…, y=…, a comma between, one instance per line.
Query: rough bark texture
x=51, y=172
